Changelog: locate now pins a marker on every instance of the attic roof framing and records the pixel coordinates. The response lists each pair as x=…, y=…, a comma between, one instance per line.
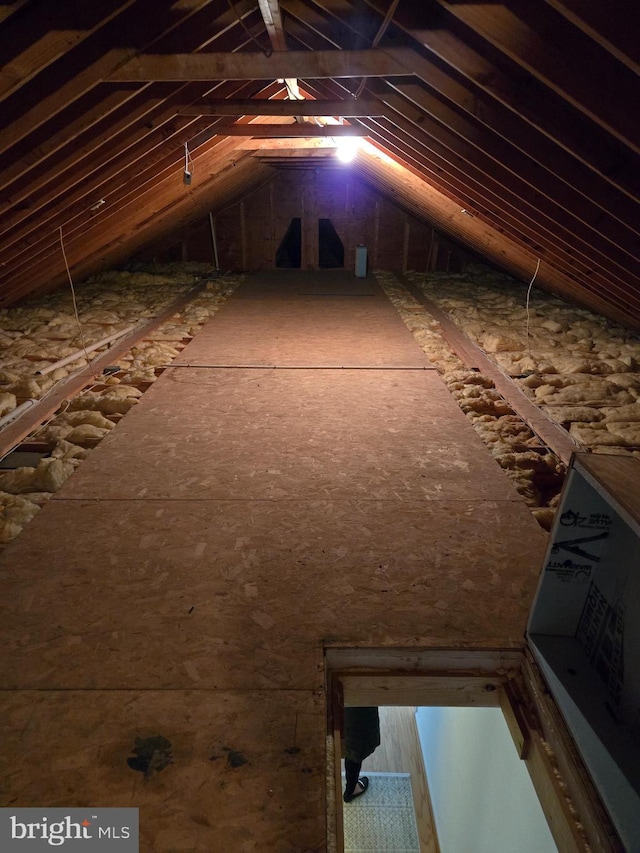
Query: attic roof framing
x=475, y=100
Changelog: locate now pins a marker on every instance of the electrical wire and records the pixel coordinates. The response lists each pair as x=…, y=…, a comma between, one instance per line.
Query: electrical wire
x=528, y=295
x=73, y=296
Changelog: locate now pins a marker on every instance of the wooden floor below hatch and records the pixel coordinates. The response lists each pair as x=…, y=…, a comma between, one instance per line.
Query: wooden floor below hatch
x=300, y=478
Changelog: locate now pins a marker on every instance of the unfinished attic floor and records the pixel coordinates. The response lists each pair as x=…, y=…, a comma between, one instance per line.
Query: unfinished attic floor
x=299, y=478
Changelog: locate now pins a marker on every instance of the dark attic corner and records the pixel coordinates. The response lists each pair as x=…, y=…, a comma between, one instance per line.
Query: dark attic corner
x=319, y=382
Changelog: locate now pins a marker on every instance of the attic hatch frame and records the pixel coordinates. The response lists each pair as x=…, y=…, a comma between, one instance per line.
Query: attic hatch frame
x=506, y=678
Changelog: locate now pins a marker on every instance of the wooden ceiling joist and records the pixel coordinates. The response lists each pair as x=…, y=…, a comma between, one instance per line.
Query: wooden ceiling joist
x=278, y=107
x=259, y=66
x=306, y=129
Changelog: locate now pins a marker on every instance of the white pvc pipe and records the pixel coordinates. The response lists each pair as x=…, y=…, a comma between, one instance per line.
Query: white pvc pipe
x=79, y=353
x=19, y=410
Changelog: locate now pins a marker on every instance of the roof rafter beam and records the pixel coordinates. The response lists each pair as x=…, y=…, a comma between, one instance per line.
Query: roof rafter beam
x=273, y=107
x=270, y=10
x=313, y=64
x=461, y=72
x=56, y=30
x=592, y=86
x=617, y=32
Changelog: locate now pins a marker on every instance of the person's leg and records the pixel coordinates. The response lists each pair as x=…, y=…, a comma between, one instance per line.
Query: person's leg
x=353, y=785
x=351, y=771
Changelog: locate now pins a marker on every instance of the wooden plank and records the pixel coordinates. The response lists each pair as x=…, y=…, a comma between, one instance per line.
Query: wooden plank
x=243, y=235
x=279, y=107
x=335, y=748
x=619, y=476
x=257, y=66
x=554, y=804
x=270, y=10
x=445, y=691
x=514, y=717
x=405, y=244
x=453, y=335
x=578, y=784
x=8, y=8
x=305, y=129
x=422, y=661
x=308, y=146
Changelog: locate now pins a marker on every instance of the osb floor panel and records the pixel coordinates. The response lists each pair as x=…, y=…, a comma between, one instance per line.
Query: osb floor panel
x=214, y=594
x=247, y=771
x=320, y=319
x=185, y=579
x=282, y=434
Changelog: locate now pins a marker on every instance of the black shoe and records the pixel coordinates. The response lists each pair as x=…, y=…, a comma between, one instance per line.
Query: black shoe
x=363, y=782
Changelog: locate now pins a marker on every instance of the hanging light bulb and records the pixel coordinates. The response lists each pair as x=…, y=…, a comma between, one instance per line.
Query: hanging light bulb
x=346, y=148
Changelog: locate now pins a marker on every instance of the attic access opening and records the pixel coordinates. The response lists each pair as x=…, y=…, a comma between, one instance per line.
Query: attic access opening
x=289, y=254
x=490, y=681
x=330, y=248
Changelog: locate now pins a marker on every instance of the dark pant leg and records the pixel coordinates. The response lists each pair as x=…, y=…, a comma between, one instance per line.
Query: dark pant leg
x=352, y=771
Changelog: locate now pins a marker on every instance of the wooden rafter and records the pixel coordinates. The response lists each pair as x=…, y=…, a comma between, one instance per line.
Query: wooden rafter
x=518, y=31
x=270, y=10
x=528, y=100
x=57, y=29
x=616, y=33
x=556, y=198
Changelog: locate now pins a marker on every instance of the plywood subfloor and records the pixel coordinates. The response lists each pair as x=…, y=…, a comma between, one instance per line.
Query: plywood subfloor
x=291, y=319
x=186, y=578
x=246, y=771
x=293, y=434
x=156, y=593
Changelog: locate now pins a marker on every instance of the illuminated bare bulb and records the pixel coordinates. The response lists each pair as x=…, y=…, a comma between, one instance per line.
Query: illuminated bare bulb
x=346, y=149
